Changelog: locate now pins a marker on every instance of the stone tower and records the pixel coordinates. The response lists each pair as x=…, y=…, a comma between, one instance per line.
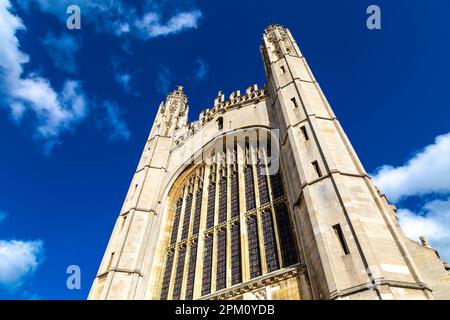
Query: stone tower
x=262, y=198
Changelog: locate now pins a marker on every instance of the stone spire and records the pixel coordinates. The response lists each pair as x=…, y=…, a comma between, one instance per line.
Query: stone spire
x=277, y=43
x=172, y=114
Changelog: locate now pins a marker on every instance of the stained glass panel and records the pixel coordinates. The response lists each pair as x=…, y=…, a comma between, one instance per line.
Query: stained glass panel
x=207, y=265
x=221, y=260
x=179, y=274
x=289, y=253
x=270, y=244
x=191, y=272
x=253, y=247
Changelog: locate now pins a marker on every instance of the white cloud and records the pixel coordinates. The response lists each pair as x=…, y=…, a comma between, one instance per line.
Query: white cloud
x=121, y=18
x=201, y=70
x=18, y=261
x=53, y=113
x=433, y=222
x=427, y=172
x=62, y=50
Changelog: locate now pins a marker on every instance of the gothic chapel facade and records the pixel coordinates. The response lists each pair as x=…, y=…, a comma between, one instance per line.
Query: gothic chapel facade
x=207, y=217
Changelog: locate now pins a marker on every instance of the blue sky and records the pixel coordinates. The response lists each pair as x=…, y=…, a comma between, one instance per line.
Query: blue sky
x=76, y=107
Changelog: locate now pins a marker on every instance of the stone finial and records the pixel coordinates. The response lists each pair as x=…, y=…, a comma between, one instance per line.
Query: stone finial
x=425, y=242
x=235, y=94
x=252, y=89
x=220, y=98
x=273, y=26
x=178, y=94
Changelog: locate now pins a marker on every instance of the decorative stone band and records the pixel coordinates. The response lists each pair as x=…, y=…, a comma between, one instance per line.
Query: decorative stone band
x=257, y=283
x=222, y=226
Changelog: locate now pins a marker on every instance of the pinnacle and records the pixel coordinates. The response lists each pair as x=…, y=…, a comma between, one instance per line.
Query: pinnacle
x=273, y=26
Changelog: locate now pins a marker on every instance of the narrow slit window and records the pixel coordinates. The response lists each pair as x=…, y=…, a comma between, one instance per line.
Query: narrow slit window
x=220, y=123
x=294, y=102
x=110, y=261
x=124, y=219
x=304, y=132
x=316, y=167
x=340, y=237
x=283, y=69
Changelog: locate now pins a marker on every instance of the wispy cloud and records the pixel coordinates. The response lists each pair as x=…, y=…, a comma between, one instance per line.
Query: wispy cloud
x=2, y=216
x=426, y=176
x=164, y=80
x=124, y=80
x=123, y=77
x=18, y=261
x=112, y=119
x=201, y=69
x=62, y=49
x=52, y=113
x=150, y=24
x=122, y=18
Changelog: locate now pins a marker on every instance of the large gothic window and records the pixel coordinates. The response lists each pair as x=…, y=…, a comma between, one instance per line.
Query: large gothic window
x=259, y=234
